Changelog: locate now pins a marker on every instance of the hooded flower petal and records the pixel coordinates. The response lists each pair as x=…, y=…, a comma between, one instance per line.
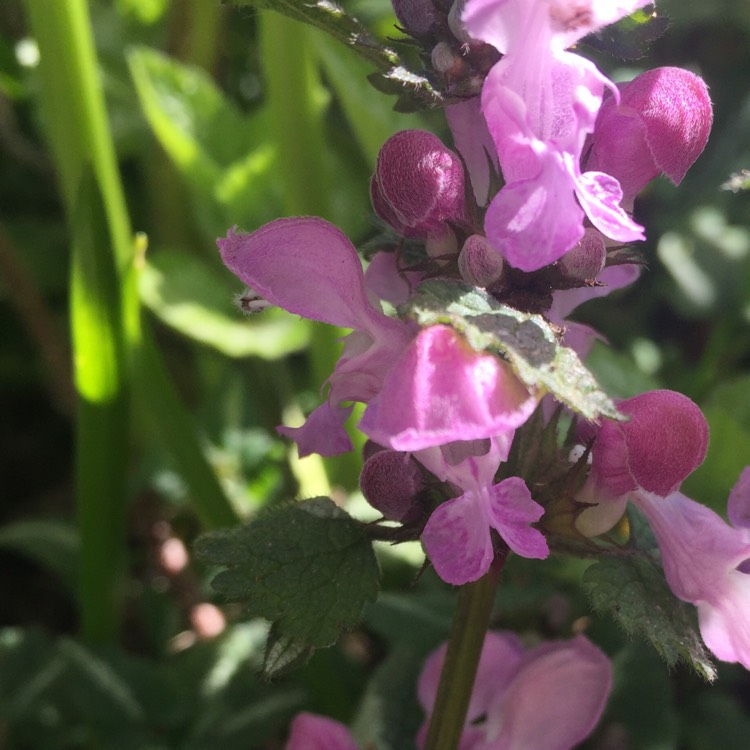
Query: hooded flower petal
x=555, y=700
x=304, y=265
x=664, y=440
x=312, y=732
x=704, y=563
x=418, y=184
x=440, y=391
x=550, y=697
x=659, y=126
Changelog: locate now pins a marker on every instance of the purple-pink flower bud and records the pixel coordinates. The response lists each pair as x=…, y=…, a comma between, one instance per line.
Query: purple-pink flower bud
x=390, y=482
x=418, y=17
x=664, y=440
x=479, y=263
x=586, y=260
x=660, y=126
x=418, y=184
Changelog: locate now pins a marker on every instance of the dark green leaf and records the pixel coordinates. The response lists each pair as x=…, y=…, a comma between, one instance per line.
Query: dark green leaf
x=390, y=715
x=284, y=654
x=526, y=340
x=633, y=590
x=52, y=543
x=630, y=38
x=307, y=567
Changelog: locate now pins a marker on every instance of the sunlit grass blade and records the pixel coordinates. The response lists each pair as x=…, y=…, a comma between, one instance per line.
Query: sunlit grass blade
x=102, y=424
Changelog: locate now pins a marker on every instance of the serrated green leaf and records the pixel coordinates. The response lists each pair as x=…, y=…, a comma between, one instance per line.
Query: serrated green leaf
x=308, y=567
x=284, y=654
x=333, y=19
x=191, y=297
x=526, y=340
x=632, y=589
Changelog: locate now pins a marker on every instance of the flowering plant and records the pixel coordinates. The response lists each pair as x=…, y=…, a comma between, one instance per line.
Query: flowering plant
x=488, y=436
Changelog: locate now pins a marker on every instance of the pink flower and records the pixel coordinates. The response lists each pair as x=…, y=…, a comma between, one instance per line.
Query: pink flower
x=312, y=732
x=540, y=102
x=549, y=697
x=659, y=126
x=707, y=563
x=308, y=267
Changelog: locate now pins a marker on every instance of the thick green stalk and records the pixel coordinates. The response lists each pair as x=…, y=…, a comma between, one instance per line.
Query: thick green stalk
x=296, y=98
x=470, y=624
x=103, y=302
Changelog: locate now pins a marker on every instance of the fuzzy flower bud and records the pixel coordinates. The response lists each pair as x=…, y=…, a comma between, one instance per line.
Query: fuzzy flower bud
x=586, y=260
x=660, y=126
x=479, y=263
x=418, y=17
x=418, y=184
x=663, y=441
x=390, y=482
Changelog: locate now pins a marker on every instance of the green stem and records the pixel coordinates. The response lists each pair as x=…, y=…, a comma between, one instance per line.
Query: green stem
x=462, y=659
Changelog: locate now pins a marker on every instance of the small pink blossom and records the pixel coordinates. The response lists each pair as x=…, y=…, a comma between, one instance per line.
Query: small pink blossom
x=540, y=102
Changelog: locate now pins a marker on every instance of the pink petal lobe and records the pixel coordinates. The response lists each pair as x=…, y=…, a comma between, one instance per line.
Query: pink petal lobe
x=738, y=505
x=601, y=195
x=457, y=540
x=323, y=432
x=511, y=510
x=533, y=222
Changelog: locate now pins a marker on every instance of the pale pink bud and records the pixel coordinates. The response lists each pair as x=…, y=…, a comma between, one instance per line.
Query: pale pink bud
x=390, y=482
x=418, y=184
x=586, y=260
x=660, y=126
x=479, y=263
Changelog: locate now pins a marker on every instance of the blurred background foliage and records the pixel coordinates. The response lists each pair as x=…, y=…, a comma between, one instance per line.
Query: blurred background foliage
x=222, y=116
